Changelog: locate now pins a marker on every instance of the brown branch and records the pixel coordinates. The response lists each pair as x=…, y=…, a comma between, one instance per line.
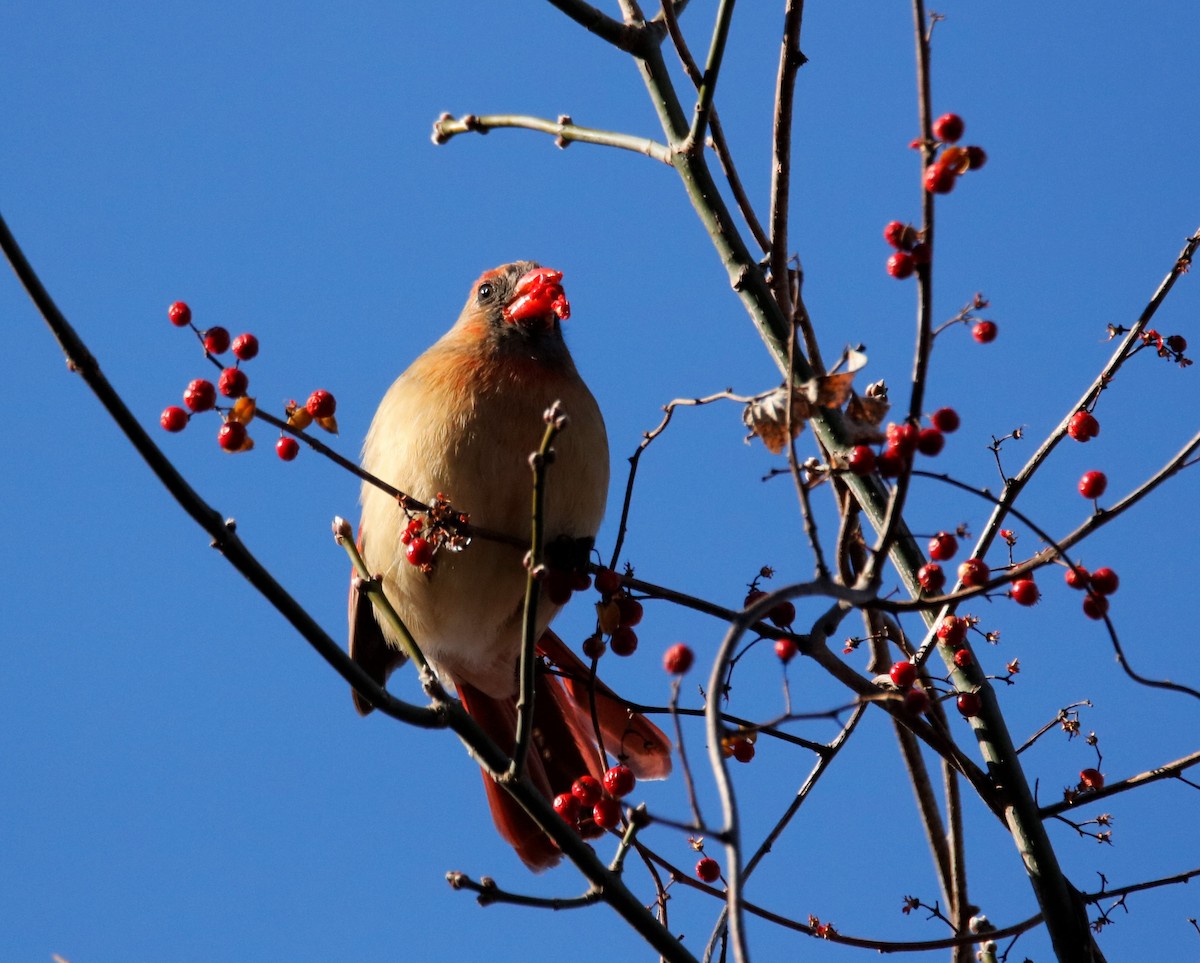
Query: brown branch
x=790, y=62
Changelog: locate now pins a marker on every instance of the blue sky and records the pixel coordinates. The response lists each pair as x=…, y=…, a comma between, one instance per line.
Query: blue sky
x=186, y=781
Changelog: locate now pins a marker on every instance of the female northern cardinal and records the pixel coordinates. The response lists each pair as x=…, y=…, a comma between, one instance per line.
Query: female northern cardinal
x=461, y=423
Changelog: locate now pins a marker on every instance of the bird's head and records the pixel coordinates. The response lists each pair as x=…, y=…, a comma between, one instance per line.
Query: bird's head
x=519, y=303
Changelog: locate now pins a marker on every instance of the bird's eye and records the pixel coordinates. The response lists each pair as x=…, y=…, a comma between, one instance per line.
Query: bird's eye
x=486, y=290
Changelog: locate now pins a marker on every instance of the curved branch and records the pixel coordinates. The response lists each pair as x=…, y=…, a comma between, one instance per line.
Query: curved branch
x=223, y=532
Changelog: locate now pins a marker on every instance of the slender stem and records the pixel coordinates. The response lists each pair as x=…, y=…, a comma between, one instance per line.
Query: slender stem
x=720, y=145
x=373, y=589
x=694, y=142
x=790, y=62
x=446, y=127
x=1169, y=770
x=539, y=462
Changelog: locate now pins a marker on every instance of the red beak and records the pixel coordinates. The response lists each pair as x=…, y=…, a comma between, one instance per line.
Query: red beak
x=538, y=294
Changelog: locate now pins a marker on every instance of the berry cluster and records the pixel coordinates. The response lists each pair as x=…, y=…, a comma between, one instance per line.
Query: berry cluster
x=201, y=394
x=1171, y=347
x=617, y=612
x=902, y=441
x=1099, y=585
x=911, y=251
x=941, y=176
x=781, y=615
x=904, y=677
x=591, y=806
x=440, y=526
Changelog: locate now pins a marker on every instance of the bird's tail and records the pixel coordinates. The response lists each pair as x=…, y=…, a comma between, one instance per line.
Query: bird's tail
x=564, y=743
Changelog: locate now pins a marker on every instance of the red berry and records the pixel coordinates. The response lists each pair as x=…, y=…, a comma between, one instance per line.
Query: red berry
x=567, y=806
x=930, y=441
x=785, y=649
x=1093, y=484
x=173, y=418
x=948, y=128
x=1024, y=591
x=939, y=178
x=890, y=462
x=945, y=419
x=558, y=586
x=916, y=700
x=898, y=235
x=1091, y=779
x=594, y=647
x=976, y=157
x=943, y=546
x=952, y=631
x=969, y=704
x=900, y=265
x=903, y=437
x=963, y=658
x=288, y=448
x=708, y=870
x=624, y=641
x=199, y=395
x=678, y=659
x=1104, y=581
x=321, y=404
x=231, y=435
x=216, y=340
x=419, y=552
x=931, y=577
x=743, y=750
x=1177, y=343
x=586, y=789
x=619, y=781
x=1077, y=577
x=783, y=615
x=606, y=812
x=1095, y=606
x=985, y=332
x=1083, y=426
x=180, y=314
x=629, y=611
x=903, y=674
x=245, y=346
x=861, y=460
x=973, y=572
x=608, y=582
x=233, y=382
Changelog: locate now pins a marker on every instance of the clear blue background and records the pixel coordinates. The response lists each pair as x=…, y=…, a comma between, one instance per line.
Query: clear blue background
x=184, y=780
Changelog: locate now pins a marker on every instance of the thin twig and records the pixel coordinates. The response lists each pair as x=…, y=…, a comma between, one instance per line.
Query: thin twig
x=719, y=144
x=790, y=62
x=694, y=142
x=1169, y=770
x=563, y=131
x=539, y=462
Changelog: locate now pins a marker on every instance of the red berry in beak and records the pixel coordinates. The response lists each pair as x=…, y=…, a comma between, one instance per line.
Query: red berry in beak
x=538, y=295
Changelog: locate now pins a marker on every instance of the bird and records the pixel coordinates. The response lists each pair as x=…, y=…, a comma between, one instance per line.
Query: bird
x=457, y=429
